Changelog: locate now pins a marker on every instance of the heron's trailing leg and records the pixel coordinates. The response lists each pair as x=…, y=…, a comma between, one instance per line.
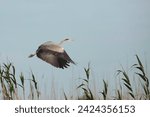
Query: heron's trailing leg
x=31, y=55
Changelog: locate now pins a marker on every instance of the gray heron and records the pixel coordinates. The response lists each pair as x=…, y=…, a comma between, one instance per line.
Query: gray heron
x=53, y=54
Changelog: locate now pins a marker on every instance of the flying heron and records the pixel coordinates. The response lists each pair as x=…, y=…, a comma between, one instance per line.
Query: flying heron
x=53, y=54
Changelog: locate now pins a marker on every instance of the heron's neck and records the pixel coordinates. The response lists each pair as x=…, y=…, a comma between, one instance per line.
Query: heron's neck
x=63, y=41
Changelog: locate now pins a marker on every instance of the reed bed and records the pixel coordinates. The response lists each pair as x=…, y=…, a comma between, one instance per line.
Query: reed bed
x=14, y=87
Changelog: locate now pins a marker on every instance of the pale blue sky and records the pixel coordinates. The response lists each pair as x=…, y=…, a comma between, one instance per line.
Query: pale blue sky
x=105, y=32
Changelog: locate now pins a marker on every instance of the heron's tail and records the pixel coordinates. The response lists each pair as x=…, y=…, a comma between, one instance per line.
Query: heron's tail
x=31, y=55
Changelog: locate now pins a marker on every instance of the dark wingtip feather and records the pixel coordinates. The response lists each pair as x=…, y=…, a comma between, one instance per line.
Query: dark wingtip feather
x=63, y=63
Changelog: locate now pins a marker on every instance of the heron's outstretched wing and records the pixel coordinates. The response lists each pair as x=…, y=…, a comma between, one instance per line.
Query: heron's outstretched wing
x=54, y=55
x=66, y=57
x=52, y=47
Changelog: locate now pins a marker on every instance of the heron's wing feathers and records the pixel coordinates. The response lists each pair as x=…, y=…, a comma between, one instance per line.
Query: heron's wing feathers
x=54, y=55
x=52, y=47
x=53, y=60
x=66, y=57
x=56, y=58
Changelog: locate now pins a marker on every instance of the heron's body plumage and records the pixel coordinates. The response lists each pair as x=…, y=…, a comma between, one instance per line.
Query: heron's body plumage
x=54, y=54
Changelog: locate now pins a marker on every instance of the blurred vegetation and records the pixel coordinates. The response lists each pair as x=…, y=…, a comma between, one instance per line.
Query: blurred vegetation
x=14, y=88
x=9, y=86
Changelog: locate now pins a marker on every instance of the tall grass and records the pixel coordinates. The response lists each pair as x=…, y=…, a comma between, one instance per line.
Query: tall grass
x=10, y=86
x=126, y=82
x=105, y=90
x=85, y=85
x=142, y=75
x=14, y=87
x=139, y=74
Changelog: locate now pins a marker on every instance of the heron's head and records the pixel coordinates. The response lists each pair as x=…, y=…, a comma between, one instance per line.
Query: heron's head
x=65, y=40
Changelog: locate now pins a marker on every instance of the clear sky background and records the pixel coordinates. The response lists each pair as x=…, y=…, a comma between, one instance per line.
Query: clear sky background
x=106, y=33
